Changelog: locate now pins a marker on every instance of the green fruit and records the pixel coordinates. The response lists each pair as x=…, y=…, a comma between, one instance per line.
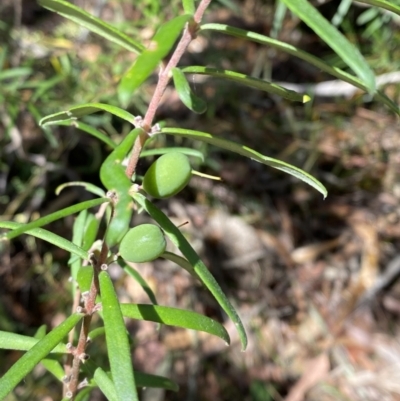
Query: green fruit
x=168, y=175
x=142, y=243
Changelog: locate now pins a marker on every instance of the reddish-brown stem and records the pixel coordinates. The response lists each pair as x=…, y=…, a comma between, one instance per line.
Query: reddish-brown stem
x=89, y=307
x=164, y=77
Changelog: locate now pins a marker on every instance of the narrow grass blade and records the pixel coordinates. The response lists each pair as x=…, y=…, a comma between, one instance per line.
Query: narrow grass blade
x=88, y=129
x=145, y=64
x=39, y=351
x=248, y=152
x=24, y=343
x=119, y=353
x=50, y=237
x=179, y=240
x=163, y=151
x=93, y=24
x=140, y=280
x=333, y=38
x=390, y=6
x=83, y=110
x=54, y=216
x=248, y=81
x=188, y=98
x=175, y=317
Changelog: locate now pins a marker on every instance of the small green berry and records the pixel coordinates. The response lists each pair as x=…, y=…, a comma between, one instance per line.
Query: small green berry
x=142, y=243
x=168, y=175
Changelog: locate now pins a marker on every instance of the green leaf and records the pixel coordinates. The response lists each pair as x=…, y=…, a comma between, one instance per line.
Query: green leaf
x=99, y=331
x=179, y=240
x=85, y=277
x=77, y=238
x=88, y=129
x=52, y=365
x=87, y=185
x=119, y=353
x=49, y=237
x=92, y=23
x=54, y=216
x=137, y=276
x=91, y=229
x=146, y=380
x=383, y=4
x=113, y=177
x=24, y=343
x=84, y=109
x=163, y=151
x=252, y=154
x=248, y=81
x=287, y=48
x=175, y=317
x=145, y=64
x=105, y=384
x=182, y=262
x=189, y=99
x=188, y=6
x=39, y=351
x=336, y=40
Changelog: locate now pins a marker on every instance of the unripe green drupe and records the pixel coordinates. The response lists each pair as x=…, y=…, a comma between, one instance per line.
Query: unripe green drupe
x=168, y=175
x=142, y=243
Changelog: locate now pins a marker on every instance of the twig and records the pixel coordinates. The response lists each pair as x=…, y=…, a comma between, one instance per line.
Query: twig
x=188, y=35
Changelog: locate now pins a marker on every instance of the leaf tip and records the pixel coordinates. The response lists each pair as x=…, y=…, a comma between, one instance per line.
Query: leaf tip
x=306, y=98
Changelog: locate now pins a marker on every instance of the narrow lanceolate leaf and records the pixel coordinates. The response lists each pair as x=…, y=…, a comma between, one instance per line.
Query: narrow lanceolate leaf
x=163, y=151
x=390, y=6
x=188, y=6
x=84, y=109
x=189, y=99
x=50, y=237
x=24, y=343
x=145, y=64
x=248, y=152
x=119, y=353
x=336, y=40
x=93, y=24
x=54, y=216
x=146, y=380
x=88, y=129
x=287, y=48
x=248, y=81
x=182, y=262
x=139, y=279
x=175, y=317
x=113, y=177
x=105, y=384
x=87, y=185
x=39, y=351
x=50, y=364
x=179, y=240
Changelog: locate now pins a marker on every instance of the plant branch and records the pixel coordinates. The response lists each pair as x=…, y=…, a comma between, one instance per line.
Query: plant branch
x=188, y=35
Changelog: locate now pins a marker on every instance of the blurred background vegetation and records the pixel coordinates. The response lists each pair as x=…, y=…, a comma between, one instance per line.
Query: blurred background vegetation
x=314, y=281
